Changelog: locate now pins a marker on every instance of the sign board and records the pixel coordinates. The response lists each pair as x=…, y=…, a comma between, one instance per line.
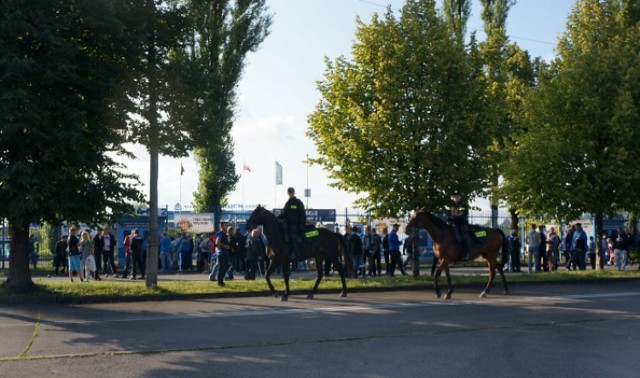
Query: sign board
x=194, y=222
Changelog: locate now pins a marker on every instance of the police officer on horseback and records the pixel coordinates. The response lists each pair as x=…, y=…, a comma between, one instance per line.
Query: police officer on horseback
x=459, y=218
x=294, y=218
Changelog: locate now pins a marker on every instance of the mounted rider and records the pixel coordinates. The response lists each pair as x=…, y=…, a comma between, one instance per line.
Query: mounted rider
x=459, y=218
x=294, y=218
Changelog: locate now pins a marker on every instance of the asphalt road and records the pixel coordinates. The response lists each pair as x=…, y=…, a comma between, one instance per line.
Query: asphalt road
x=585, y=330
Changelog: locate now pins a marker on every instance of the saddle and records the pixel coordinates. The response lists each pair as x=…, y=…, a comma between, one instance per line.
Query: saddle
x=475, y=234
x=307, y=240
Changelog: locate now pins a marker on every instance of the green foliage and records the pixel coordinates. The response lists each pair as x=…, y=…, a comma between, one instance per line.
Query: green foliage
x=223, y=33
x=403, y=120
x=58, y=67
x=580, y=151
x=158, y=111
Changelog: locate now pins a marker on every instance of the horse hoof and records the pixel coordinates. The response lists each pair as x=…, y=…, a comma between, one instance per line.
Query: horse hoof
x=284, y=298
x=343, y=295
x=448, y=296
x=310, y=296
x=506, y=292
x=439, y=295
x=483, y=295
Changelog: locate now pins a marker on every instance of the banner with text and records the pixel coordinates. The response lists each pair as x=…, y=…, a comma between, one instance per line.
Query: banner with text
x=194, y=222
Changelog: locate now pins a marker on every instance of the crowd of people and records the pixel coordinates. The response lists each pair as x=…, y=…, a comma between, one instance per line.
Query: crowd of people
x=546, y=250
x=224, y=253
x=364, y=254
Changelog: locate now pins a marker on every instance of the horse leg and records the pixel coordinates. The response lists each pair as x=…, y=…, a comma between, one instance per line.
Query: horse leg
x=434, y=265
x=267, y=276
x=492, y=275
x=435, y=279
x=504, y=280
x=319, y=274
x=449, y=286
x=338, y=266
x=286, y=272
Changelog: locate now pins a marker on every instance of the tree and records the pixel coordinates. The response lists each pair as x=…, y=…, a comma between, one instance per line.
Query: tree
x=509, y=75
x=223, y=33
x=158, y=98
x=60, y=62
x=580, y=150
x=403, y=120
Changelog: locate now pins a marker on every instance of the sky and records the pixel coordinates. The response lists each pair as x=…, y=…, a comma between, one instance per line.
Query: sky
x=278, y=92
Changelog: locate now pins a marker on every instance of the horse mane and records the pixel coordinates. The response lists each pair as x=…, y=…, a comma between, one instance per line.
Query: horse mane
x=435, y=219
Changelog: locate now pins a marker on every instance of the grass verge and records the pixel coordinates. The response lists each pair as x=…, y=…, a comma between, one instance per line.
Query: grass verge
x=111, y=291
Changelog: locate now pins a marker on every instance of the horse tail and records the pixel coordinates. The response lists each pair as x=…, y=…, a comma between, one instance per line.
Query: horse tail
x=504, y=256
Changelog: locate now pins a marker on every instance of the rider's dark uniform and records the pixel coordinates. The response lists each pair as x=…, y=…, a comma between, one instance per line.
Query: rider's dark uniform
x=294, y=217
x=459, y=217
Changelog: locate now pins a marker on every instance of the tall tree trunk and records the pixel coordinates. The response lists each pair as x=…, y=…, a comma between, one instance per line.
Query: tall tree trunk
x=19, y=277
x=152, y=245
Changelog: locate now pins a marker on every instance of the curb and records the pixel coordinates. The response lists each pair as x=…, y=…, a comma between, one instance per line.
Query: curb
x=265, y=293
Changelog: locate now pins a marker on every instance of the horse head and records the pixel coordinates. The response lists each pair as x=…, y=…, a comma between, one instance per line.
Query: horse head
x=256, y=218
x=417, y=219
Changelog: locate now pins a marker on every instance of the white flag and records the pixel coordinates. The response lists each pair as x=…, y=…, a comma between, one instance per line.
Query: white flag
x=278, y=174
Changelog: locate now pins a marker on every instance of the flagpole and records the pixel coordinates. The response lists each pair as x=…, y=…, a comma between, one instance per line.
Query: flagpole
x=181, y=173
x=243, y=188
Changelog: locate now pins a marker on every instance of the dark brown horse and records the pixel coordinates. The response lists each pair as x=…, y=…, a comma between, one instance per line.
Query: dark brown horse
x=322, y=244
x=447, y=251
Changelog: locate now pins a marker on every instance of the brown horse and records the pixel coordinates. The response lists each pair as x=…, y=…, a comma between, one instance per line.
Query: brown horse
x=447, y=250
x=326, y=245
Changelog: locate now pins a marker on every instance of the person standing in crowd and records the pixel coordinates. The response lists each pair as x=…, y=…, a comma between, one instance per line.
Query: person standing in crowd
x=60, y=255
x=165, y=253
x=533, y=248
x=185, y=247
x=231, y=253
x=348, y=260
x=222, y=254
x=97, y=251
x=376, y=255
x=88, y=259
x=385, y=250
x=356, y=252
x=553, y=253
x=136, y=255
x=592, y=252
x=255, y=249
x=126, y=243
x=410, y=248
x=108, y=252
x=202, y=264
x=570, y=258
x=75, y=266
x=620, y=247
x=394, y=251
x=579, y=246
x=241, y=250
x=369, y=245
x=514, y=248
x=542, y=254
